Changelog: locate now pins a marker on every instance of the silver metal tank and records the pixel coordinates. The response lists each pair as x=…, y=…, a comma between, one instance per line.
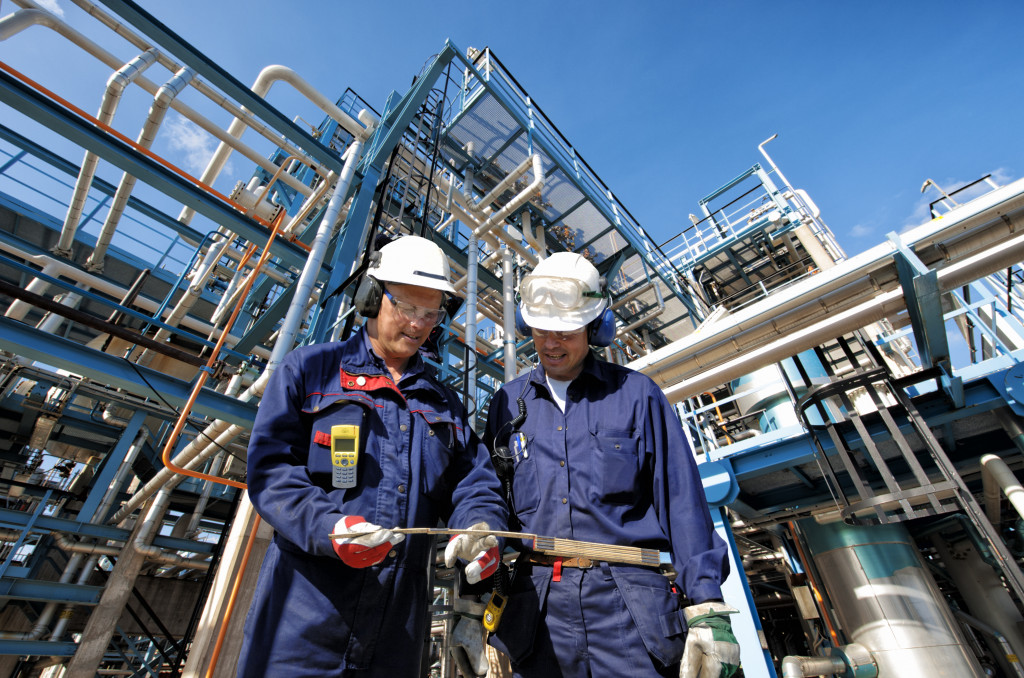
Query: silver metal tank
x=887, y=601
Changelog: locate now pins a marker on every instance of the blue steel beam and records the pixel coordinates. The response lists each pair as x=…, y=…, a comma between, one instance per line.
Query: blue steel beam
x=105, y=187
x=50, y=591
x=29, y=102
x=38, y=648
x=108, y=369
x=21, y=520
x=174, y=44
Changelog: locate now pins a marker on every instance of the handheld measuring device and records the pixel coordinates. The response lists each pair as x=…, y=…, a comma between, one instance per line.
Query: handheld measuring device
x=492, y=613
x=344, y=455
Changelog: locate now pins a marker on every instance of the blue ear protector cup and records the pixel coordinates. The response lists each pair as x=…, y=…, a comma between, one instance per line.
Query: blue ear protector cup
x=521, y=326
x=601, y=330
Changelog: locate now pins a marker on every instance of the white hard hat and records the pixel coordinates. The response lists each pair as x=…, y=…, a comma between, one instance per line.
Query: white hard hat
x=562, y=294
x=412, y=260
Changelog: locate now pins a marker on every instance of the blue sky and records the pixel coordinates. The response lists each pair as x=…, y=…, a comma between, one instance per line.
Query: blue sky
x=665, y=100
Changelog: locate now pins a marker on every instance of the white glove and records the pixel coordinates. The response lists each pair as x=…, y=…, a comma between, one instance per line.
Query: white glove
x=368, y=549
x=469, y=635
x=711, y=649
x=480, y=550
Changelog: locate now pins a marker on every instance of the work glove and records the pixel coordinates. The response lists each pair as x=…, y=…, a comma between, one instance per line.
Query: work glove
x=368, y=549
x=470, y=637
x=711, y=649
x=480, y=550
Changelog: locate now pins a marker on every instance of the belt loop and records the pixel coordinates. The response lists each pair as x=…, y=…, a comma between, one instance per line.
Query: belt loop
x=606, y=569
x=556, y=574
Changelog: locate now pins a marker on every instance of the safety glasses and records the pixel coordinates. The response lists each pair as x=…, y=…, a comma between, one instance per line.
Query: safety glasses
x=565, y=294
x=412, y=312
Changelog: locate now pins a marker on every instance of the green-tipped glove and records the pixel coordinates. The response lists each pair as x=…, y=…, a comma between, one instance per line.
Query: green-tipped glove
x=711, y=649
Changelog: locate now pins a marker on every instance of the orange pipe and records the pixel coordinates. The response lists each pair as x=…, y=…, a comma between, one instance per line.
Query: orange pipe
x=204, y=374
x=719, y=411
x=229, y=610
x=814, y=587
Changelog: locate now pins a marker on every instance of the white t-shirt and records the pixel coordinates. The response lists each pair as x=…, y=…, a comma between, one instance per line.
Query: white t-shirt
x=558, y=389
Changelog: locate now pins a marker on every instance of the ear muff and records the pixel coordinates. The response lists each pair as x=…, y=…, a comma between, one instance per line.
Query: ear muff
x=370, y=292
x=601, y=330
x=368, y=297
x=521, y=325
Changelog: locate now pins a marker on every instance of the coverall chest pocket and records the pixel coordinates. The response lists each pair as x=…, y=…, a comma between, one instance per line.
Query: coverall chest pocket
x=619, y=464
x=526, y=485
x=326, y=416
x=440, y=444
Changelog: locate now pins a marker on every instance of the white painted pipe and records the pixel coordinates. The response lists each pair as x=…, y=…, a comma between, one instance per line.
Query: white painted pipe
x=996, y=473
x=19, y=309
x=60, y=268
x=157, y=111
x=116, y=85
x=95, y=50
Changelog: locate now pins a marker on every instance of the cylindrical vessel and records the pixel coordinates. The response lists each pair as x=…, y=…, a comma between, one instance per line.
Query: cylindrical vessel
x=887, y=601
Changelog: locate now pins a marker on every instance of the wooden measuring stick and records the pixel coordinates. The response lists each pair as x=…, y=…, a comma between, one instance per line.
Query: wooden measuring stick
x=546, y=545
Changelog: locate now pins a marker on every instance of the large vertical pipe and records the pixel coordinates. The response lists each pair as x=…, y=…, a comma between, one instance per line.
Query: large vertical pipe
x=508, y=312
x=887, y=601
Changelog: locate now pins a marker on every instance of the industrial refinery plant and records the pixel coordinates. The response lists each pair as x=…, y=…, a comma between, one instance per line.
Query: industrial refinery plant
x=854, y=419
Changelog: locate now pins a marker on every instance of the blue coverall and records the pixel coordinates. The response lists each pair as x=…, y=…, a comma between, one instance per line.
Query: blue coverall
x=313, y=615
x=615, y=468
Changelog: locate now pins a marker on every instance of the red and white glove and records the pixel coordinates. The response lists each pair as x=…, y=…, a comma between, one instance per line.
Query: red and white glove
x=481, y=550
x=366, y=550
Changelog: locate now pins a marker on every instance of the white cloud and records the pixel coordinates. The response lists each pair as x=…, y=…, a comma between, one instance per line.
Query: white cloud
x=860, y=231
x=52, y=7
x=196, y=145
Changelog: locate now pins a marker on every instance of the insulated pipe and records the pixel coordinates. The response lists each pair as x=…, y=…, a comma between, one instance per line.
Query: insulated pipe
x=307, y=279
x=222, y=433
x=472, y=256
x=217, y=97
x=204, y=498
x=19, y=309
x=807, y=667
x=840, y=300
x=116, y=85
x=508, y=314
x=261, y=87
x=1009, y=655
x=157, y=111
x=996, y=474
x=56, y=268
x=518, y=201
x=653, y=314
x=46, y=616
x=50, y=21
x=65, y=616
x=150, y=525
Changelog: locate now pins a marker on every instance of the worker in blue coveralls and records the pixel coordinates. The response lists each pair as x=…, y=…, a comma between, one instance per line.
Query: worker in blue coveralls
x=595, y=453
x=339, y=592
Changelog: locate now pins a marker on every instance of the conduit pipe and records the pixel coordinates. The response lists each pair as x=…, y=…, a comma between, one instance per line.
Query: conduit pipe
x=996, y=476
x=213, y=95
x=47, y=20
x=157, y=112
x=116, y=85
x=206, y=269
x=261, y=87
x=150, y=525
x=858, y=291
x=60, y=268
x=46, y=616
x=649, y=316
x=172, y=439
x=19, y=309
x=307, y=279
x=1009, y=656
x=807, y=667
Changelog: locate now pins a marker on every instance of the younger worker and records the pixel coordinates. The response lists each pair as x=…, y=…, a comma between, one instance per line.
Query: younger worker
x=598, y=455
x=357, y=605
